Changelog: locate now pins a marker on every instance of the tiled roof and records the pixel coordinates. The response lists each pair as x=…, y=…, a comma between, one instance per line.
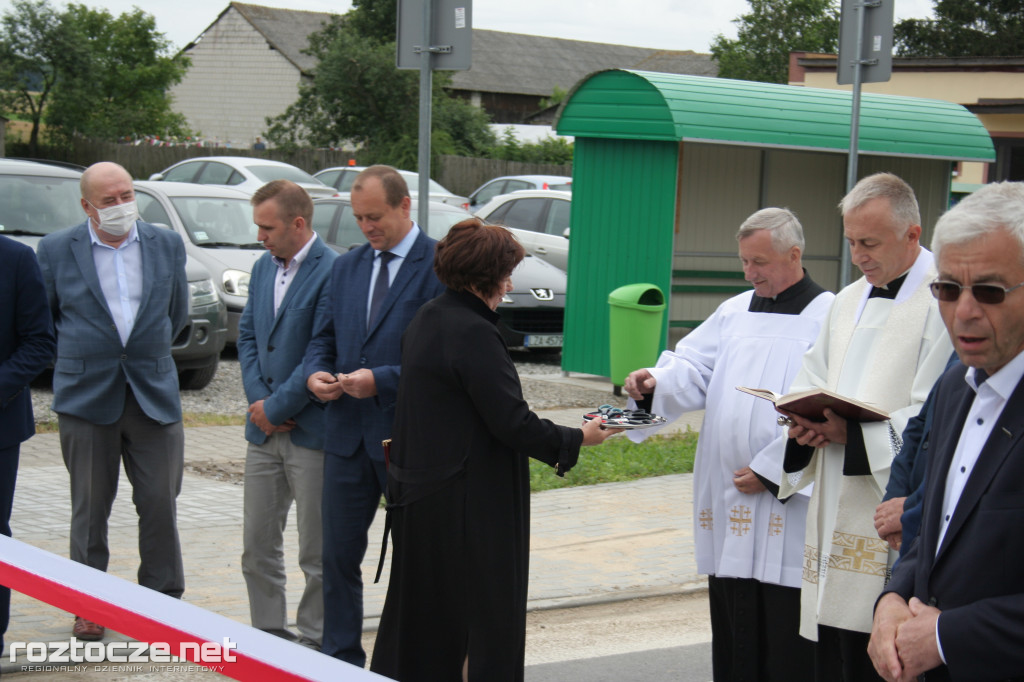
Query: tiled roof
x=502, y=62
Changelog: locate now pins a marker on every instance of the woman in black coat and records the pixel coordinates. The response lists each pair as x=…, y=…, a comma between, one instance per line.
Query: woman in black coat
x=458, y=482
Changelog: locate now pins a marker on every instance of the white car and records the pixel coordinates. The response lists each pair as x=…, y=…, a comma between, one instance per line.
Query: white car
x=244, y=173
x=216, y=224
x=342, y=177
x=539, y=218
x=513, y=183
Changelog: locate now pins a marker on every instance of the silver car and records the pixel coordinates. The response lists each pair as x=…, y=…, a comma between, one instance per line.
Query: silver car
x=507, y=184
x=538, y=218
x=216, y=225
x=342, y=177
x=37, y=199
x=531, y=314
x=245, y=173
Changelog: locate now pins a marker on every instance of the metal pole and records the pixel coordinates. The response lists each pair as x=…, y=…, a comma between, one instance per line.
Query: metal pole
x=426, y=102
x=851, y=160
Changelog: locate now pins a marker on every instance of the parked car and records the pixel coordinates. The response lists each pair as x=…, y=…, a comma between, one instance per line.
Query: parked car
x=197, y=348
x=342, y=177
x=216, y=226
x=539, y=218
x=531, y=315
x=37, y=199
x=513, y=183
x=245, y=173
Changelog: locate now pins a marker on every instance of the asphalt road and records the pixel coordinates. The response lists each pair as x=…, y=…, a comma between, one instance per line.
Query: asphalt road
x=677, y=664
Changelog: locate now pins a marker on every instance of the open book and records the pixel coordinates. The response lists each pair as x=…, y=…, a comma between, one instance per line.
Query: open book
x=811, y=404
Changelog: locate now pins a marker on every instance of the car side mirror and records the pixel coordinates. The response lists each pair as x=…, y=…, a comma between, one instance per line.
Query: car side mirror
x=566, y=233
x=156, y=176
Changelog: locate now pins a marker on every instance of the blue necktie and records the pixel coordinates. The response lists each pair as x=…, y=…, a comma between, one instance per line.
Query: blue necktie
x=380, y=289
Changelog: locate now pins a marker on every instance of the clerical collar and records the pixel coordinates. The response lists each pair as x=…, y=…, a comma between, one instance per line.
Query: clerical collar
x=889, y=290
x=791, y=301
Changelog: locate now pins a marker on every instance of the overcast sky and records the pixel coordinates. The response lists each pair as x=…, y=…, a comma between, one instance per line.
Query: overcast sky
x=663, y=24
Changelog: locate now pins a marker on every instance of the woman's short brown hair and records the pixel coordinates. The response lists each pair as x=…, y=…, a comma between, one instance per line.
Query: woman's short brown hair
x=477, y=257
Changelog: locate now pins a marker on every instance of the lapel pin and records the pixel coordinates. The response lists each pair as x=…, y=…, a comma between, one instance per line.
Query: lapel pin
x=1007, y=432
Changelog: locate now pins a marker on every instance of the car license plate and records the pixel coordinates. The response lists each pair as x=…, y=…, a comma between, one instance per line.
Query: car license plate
x=543, y=341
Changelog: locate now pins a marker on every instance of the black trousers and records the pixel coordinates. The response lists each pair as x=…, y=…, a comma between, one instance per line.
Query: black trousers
x=842, y=656
x=754, y=632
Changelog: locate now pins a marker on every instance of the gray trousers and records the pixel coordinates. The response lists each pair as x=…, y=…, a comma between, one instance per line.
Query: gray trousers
x=154, y=459
x=276, y=473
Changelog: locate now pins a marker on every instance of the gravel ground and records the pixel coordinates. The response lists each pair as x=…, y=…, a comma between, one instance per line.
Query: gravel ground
x=224, y=395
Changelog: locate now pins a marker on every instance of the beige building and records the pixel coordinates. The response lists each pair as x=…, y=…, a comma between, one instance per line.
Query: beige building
x=992, y=88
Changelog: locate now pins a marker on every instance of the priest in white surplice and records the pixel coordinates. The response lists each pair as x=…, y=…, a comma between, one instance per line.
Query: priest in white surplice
x=883, y=343
x=748, y=543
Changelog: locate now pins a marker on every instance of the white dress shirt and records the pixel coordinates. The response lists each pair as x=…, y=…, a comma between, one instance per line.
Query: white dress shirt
x=120, y=273
x=285, y=275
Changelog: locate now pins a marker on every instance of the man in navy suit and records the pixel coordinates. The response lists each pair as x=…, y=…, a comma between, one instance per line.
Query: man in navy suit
x=119, y=296
x=352, y=364
x=954, y=607
x=26, y=348
x=285, y=457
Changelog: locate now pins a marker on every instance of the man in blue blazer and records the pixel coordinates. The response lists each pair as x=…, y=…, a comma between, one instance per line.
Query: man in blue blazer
x=353, y=364
x=26, y=348
x=118, y=295
x=284, y=460
x=954, y=608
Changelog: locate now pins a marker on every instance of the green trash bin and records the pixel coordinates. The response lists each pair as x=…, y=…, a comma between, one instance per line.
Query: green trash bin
x=634, y=322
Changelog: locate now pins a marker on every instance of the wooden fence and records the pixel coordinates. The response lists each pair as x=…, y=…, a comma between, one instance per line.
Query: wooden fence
x=459, y=174
x=143, y=160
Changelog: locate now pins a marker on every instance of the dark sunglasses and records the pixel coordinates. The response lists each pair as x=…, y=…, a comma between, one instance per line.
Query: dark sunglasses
x=989, y=294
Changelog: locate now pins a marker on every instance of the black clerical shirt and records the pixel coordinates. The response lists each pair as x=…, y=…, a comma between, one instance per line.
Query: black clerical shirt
x=791, y=301
x=889, y=290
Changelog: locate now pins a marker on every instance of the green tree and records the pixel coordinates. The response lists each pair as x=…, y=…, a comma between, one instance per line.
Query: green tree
x=547, y=150
x=375, y=19
x=84, y=72
x=32, y=44
x=357, y=96
x=964, y=28
x=116, y=82
x=770, y=31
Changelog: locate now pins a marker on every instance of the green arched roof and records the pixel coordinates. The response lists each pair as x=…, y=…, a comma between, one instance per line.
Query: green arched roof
x=644, y=105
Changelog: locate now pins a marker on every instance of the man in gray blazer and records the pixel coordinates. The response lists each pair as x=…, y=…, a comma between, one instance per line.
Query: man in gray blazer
x=117, y=290
x=285, y=456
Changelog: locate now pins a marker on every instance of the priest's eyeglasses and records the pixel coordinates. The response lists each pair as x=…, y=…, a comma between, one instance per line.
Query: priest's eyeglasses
x=989, y=294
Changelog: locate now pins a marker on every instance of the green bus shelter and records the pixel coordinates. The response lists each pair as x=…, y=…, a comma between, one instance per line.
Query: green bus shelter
x=668, y=166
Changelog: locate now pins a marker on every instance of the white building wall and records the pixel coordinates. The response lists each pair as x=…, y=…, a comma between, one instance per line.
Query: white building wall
x=236, y=80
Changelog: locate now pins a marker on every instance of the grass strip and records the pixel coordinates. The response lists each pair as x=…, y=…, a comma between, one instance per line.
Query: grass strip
x=620, y=459
x=617, y=459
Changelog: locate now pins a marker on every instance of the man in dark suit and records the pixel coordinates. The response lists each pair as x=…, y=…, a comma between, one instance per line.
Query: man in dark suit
x=26, y=348
x=285, y=456
x=352, y=364
x=119, y=296
x=954, y=607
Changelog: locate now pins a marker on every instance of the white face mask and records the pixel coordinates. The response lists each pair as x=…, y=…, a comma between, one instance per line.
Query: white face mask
x=117, y=220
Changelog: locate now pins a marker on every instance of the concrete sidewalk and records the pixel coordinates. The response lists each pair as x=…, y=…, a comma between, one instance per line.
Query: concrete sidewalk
x=588, y=544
